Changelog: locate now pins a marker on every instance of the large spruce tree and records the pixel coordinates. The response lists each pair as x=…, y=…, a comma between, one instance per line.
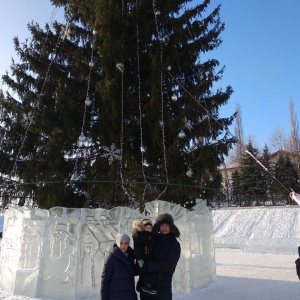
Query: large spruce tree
x=116, y=106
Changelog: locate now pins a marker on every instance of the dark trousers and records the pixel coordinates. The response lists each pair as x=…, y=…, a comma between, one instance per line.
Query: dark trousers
x=145, y=297
x=148, y=280
x=142, y=297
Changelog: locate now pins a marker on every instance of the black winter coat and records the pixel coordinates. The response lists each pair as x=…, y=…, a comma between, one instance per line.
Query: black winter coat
x=143, y=242
x=117, y=280
x=297, y=262
x=165, y=255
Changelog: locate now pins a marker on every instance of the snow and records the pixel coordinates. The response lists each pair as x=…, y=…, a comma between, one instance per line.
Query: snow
x=258, y=229
x=255, y=252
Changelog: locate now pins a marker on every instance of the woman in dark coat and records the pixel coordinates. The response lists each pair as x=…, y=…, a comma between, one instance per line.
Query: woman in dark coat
x=298, y=264
x=165, y=256
x=117, y=281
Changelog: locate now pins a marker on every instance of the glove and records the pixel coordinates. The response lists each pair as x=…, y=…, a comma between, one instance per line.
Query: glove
x=141, y=263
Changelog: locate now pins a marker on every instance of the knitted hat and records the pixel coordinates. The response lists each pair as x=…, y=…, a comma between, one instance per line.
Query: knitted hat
x=146, y=222
x=122, y=237
x=164, y=218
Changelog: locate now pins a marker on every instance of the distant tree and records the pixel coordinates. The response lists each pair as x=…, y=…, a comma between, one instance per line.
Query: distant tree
x=287, y=177
x=278, y=140
x=96, y=113
x=239, y=134
x=251, y=175
x=236, y=187
x=295, y=139
x=226, y=188
x=267, y=176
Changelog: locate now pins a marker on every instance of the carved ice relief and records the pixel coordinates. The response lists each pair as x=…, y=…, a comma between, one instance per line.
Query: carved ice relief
x=66, y=248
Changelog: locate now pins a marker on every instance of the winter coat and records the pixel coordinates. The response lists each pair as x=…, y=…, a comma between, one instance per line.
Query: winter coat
x=117, y=281
x=165, y=256
x=143, y=242
x=297, y=262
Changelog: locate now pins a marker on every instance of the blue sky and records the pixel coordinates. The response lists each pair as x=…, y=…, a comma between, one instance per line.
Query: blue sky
x=261, y=52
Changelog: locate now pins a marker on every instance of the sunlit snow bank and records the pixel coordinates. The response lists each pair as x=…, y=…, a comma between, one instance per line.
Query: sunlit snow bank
x=262, y=229
x=60, y=253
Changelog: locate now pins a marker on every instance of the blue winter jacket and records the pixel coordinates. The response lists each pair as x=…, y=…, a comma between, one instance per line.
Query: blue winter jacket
x=165, y=255
x=117, y=281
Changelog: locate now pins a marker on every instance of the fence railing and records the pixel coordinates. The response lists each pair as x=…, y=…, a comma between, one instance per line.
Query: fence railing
x=250, y=202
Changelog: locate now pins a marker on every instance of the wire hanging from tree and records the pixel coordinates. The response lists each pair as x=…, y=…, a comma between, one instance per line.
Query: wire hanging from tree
x=161, y=40
x=142, y=150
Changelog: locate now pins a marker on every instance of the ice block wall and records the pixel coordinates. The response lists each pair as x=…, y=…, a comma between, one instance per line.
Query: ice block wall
x=59, y=253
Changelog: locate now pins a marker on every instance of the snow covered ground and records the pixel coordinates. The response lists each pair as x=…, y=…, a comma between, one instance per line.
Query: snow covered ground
x=251, y=276
x=258, y=229
x=256, y=250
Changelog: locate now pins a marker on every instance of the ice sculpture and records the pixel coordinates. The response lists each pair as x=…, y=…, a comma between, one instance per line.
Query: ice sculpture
x=59, y=253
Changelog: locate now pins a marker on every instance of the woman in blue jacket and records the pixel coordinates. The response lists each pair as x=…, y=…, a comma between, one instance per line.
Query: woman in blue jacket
x=117, y=281
x=165, y=256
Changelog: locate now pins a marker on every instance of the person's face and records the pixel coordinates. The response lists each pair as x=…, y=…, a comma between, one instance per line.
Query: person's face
x=123, y=245
x=148, y=228
x=164, y=228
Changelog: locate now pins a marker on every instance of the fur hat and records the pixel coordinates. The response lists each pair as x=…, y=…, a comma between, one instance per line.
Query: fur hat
x=146, y=222
x=122, y=237
x=136, y=224
x=164, y=218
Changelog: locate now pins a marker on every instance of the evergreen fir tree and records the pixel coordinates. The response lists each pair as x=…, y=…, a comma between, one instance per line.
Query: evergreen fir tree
x=292, y=178
x=280, y=173
x=116, y=107
x=287, y=177
x=267, y=177
x=251, y=176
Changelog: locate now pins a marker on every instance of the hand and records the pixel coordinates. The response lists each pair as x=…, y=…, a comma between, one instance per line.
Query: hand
x=141, y=263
